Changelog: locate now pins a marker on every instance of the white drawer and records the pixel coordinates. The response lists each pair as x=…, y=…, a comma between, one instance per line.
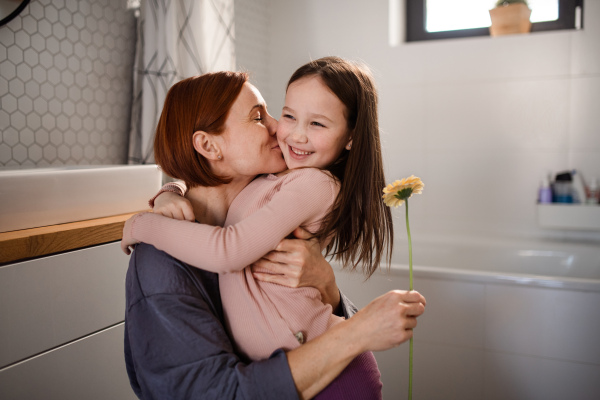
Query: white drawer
x=92, y=368
x=53, y=300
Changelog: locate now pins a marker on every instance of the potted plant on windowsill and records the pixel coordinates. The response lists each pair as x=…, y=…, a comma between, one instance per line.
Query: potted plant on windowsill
x=510, y=17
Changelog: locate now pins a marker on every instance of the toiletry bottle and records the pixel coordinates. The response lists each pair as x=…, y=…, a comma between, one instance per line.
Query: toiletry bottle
x=562, y=188
x=578, y=187
x=544, y=192
x=593, y=192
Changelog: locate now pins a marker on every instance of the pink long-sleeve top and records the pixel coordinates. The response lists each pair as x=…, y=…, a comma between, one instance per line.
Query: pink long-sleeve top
x=260, y=316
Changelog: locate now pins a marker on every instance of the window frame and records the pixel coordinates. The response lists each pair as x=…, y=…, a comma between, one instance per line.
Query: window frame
x=415, y=22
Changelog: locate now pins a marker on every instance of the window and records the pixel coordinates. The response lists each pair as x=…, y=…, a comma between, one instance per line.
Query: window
x=443, y=19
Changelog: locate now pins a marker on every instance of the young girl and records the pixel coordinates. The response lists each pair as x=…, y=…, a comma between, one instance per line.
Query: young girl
x=329, y=122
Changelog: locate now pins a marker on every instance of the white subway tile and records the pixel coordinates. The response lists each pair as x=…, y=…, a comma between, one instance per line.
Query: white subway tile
x=584, y=128
x=515, y=114
x=585, y=57
x=515, y=319
x=402, y=118
x=574, y=326
x=439, y=371
x=588, y=162
x=543, y=323
x=510, y=376
x=454, y=313
x=447, y=372
x=501, y=58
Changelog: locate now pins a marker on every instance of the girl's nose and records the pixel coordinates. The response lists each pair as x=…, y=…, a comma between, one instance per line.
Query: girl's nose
x=299, y=135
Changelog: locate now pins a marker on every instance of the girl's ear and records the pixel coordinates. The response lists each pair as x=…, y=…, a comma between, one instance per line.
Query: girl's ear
x=205, y=144
x=349, y=145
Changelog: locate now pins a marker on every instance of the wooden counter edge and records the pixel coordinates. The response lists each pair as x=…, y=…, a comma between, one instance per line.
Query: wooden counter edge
x=46, y=240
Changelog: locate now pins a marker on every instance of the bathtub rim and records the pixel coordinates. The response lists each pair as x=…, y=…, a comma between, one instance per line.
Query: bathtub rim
x=540, y=281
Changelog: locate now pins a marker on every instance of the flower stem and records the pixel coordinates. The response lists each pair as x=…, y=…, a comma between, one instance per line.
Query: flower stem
x=410, y=267
x=410, y=286
x=410, y=368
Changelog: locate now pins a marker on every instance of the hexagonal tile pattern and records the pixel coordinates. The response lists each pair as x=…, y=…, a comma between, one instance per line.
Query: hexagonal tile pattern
x=66, y=83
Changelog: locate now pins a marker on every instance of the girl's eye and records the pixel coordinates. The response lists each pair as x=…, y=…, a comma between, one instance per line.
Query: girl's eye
x=317, y=124
x=288, y=116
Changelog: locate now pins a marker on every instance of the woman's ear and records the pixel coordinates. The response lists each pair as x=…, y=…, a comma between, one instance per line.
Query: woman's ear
x=205, y=144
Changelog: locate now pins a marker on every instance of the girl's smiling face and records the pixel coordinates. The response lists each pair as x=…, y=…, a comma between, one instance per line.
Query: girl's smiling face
x=313, y=130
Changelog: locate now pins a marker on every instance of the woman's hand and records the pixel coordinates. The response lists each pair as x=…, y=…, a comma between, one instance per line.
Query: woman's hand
x=128, y=242
x=299, y=263
x=383, y=324
x=389, y=320
x=173, y=206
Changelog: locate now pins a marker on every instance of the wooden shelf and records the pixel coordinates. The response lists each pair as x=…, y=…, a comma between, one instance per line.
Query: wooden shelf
x=569, y=216
x=46, y=240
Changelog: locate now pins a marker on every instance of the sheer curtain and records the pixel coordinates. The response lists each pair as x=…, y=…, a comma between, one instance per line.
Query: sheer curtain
x=176, y=39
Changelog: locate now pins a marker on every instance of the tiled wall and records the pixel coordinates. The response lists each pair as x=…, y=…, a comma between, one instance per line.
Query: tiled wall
x=481, y=120
x=65, y=85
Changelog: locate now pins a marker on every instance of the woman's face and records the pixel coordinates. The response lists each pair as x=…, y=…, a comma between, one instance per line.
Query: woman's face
x=313, y=129
x=248, y=144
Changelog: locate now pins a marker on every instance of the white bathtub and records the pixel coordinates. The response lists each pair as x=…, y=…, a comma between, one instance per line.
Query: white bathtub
x=504, y=319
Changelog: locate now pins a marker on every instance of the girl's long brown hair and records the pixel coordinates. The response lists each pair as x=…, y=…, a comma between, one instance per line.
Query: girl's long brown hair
x=359, y=222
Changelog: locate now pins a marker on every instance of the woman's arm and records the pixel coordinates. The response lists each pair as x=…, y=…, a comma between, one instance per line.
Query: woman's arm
x=384, y=323
x=304, y=196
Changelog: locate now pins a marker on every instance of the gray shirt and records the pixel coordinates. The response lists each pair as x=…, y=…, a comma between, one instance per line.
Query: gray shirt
x=176, y=346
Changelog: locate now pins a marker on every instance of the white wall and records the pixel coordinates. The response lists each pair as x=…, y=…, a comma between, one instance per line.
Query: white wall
x=480, y=120
x=252, y=44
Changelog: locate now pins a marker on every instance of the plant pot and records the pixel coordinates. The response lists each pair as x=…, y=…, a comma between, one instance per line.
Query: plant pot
x=510, y=19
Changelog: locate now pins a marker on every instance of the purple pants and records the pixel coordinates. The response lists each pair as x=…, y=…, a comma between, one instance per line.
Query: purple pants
x=360, y=380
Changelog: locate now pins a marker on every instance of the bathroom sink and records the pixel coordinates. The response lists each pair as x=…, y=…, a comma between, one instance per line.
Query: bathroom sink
x=31, y=198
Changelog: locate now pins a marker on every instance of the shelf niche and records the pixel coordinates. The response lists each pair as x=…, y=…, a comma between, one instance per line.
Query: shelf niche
x=569, y=216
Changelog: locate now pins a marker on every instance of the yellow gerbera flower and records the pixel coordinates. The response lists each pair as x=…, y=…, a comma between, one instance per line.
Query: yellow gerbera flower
x=396, y=193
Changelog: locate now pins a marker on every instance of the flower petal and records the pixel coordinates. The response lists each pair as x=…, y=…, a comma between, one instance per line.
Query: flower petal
x=397, y=192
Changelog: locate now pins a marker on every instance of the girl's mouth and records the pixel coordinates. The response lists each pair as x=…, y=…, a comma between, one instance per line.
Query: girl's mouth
x=298, y=152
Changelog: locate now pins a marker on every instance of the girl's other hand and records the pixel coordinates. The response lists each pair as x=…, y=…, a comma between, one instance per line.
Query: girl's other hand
x=174, y=206
x=299, y=263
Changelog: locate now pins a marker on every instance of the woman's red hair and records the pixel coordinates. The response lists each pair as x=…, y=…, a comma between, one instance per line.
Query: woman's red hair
x=200, y=103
